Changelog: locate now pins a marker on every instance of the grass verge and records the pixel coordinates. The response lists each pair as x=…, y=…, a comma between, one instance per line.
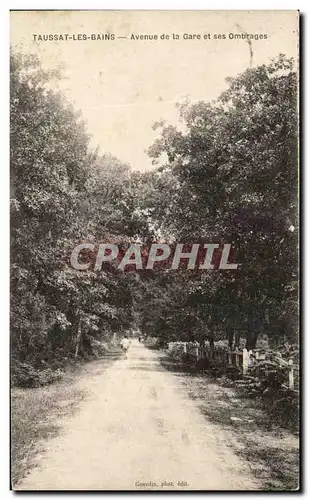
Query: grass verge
x=272, y=452
x=36, y=413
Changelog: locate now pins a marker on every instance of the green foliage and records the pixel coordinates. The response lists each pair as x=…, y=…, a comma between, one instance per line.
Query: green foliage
x=61, y=193
x=25, y=375
x=231, y=176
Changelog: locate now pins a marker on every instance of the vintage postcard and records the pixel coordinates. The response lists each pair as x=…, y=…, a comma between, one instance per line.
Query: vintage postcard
x=154, y=250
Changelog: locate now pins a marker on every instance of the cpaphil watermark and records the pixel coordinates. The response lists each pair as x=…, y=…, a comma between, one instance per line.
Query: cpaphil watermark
x=88, y=256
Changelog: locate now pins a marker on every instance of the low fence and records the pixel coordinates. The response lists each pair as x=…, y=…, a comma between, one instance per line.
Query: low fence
x=241, y=359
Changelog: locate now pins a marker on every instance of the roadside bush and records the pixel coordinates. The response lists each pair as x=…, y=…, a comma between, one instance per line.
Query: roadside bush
x=177, y=351
x=265, y=381
x=25, y=375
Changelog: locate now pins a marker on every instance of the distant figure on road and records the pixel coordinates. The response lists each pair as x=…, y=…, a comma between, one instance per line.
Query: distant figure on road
x=125, y=342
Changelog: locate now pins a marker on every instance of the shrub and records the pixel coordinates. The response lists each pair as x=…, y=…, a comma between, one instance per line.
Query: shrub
x=25, y=375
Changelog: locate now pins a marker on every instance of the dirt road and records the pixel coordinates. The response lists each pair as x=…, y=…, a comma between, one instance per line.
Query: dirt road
x=137, y=430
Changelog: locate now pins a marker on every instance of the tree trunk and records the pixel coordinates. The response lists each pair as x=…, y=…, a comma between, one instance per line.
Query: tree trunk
x=230, y=337
x=211, y=340
x=85, y=345
x=72, y=331
x=251, y=340
x=78, y=337
x=254, y=328
x=237, y=340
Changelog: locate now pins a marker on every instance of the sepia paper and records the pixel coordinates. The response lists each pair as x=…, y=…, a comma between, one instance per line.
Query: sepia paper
x=136, y=135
